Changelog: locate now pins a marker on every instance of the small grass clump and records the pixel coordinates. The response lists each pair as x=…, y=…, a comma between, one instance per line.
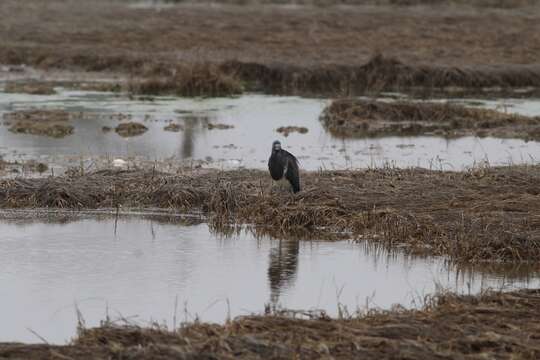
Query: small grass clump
x=200, y=79
x=53, y=123
x=31, y=88
x=173, y=127
x=130, y=129
x=212, y=126
x=370, y=118
x=286, y=130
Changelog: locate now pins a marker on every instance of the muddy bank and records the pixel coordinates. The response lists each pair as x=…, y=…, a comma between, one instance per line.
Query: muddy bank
x=281, y=49
x=366, y=118
x=53, y=123
x=481, y=214
x=492, y=325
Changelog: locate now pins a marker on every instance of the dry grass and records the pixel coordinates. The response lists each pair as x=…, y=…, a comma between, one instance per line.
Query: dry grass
x=130, y=129
x=279, y=49
x=32, y=88
x=286, y=130
x=217, y=126
x=384, y=73
x=489, y=326
x=483, y=214
x=53, y=123
x=365, y=118
x=190, y=80
x=173, y=127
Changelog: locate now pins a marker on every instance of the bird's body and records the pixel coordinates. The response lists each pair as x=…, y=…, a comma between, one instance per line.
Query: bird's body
x=284, y=164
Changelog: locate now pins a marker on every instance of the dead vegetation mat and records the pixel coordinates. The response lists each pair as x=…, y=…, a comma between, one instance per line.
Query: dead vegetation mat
x=371, y=118
x=482, y=214
x=489, y=326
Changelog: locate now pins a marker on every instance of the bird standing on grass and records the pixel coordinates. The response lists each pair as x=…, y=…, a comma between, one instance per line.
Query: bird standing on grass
x=283, y=163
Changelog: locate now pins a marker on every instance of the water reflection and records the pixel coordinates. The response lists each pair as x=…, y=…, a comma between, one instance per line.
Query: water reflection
x=255, y=119
x=49, y=262
x=282, y=267
x=193, y=126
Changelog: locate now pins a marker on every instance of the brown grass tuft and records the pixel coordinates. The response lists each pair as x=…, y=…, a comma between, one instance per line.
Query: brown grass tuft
x=130, y=129
x=201, y=79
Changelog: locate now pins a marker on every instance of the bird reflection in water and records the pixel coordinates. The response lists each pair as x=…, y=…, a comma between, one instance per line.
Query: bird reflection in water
x=282, y=268
x=193, y=126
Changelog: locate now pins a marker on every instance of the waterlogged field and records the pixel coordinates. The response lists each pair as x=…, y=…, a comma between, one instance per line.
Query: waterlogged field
x=138, y=219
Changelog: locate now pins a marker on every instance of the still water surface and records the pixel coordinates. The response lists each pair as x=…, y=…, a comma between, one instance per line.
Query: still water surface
x=255, y=119
x=138, y=268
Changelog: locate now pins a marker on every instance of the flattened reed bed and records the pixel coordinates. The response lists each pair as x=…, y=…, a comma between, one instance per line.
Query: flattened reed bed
x=486, y=214
x=492, y=325
x=369, y=118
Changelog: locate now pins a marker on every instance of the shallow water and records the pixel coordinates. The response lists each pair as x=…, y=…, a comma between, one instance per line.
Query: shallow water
x=140, y=270
x=255, y=119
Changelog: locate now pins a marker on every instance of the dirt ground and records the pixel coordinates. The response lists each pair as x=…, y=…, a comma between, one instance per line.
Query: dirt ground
x=283, y=47
x=485, y=214
x=489, y=326
x=364, y=118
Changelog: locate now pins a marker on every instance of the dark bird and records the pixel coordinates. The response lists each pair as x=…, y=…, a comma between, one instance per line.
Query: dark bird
x=283, y=163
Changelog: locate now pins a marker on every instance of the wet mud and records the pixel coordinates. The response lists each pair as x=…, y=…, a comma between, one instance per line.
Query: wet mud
x=365, y=118
x=491, y=325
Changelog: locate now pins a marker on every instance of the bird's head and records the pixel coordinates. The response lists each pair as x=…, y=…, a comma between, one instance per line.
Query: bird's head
x=276, y=146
